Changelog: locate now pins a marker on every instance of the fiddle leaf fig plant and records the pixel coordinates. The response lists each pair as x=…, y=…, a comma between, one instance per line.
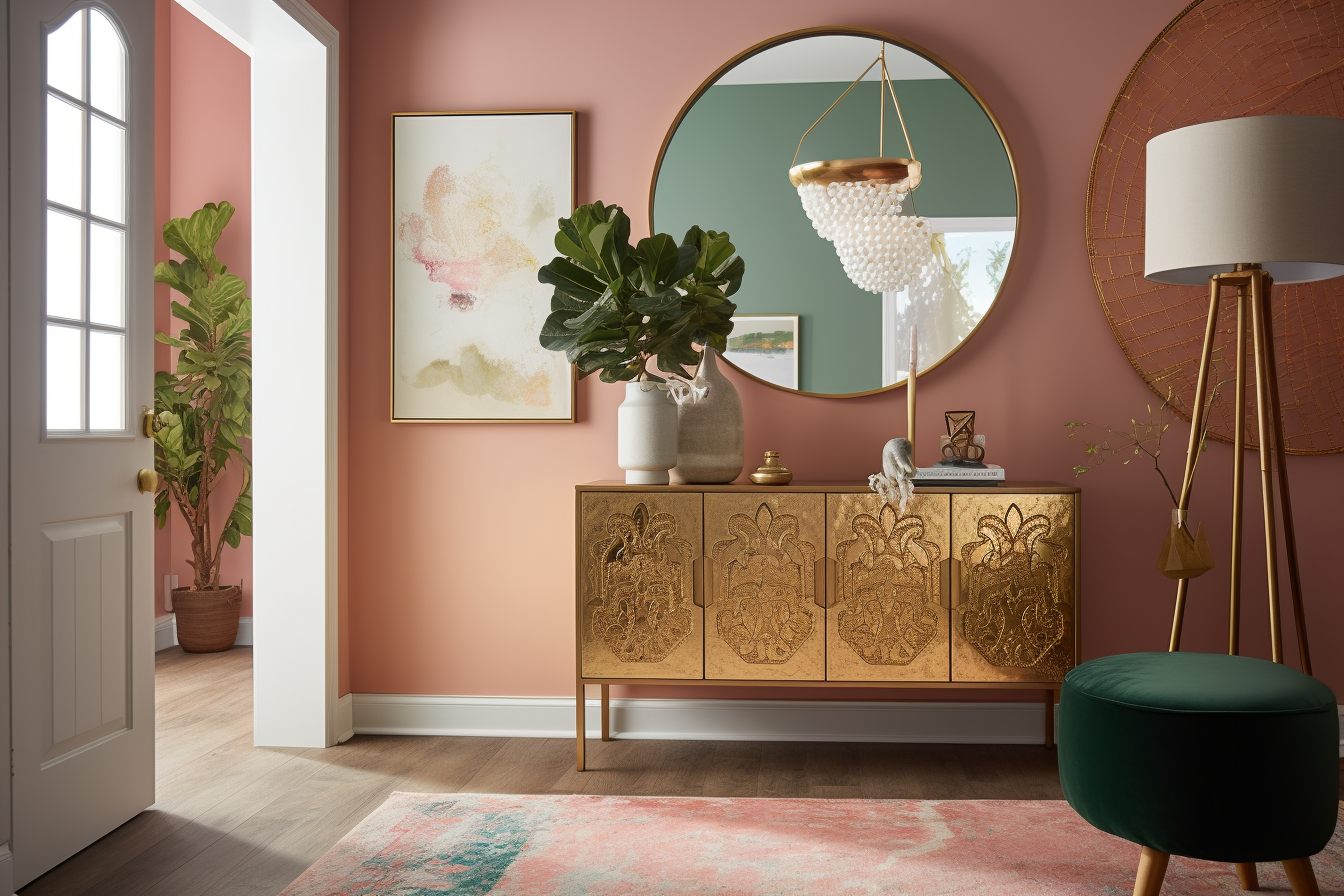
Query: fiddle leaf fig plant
x=616, y=306
x=203, y=407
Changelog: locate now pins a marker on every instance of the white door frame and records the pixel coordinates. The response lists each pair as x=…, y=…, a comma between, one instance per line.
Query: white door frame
x=295, y=316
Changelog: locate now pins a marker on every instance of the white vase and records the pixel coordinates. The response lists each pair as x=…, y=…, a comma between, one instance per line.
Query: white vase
x=646, y=434
x=710, y=437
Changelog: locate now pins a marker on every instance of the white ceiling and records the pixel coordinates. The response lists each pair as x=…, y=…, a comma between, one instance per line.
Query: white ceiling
x=830, y=57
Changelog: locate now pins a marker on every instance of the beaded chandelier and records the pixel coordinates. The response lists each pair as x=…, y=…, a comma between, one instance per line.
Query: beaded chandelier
x=857, y=204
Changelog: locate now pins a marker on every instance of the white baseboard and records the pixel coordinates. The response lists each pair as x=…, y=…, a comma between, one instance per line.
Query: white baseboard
x=165, y=632
x=345, y=718
x=780, y=720
x=776, y=720
x=6, y=870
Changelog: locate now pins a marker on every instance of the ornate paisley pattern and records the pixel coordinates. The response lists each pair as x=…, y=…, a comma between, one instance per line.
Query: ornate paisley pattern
x=888, y=588
x=766, y=587
x=642, y=611
x=1014, y=612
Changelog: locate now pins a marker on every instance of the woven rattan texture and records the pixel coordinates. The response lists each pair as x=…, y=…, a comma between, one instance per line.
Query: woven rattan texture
x=1221, y=59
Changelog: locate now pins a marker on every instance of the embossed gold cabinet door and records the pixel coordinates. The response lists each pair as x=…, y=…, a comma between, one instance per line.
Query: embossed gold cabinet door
x=763, y=587
x=1014, y=615
x=638, y=616
x=887, y=619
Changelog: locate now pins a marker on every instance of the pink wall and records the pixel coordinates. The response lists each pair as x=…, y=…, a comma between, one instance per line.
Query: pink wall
x=461, y=567
x=203, y=147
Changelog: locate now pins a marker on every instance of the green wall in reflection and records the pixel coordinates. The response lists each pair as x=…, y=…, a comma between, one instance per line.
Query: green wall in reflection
x=726, y=168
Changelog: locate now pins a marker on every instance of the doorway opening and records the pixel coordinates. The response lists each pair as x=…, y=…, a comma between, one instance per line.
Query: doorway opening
x=250, y=96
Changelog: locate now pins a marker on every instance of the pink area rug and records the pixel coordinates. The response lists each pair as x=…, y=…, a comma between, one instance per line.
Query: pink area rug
x=428, y=844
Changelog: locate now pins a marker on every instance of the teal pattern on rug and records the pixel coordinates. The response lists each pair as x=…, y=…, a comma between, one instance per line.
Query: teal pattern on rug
x=482, y=856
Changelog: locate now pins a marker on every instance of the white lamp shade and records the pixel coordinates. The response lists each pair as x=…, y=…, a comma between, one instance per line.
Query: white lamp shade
x=1265, y=190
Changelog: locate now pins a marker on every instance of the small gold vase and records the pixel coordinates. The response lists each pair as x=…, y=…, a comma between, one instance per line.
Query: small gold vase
x=772, y=473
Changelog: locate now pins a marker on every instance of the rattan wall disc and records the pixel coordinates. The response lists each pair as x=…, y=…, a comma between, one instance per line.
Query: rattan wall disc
x=1221, y=59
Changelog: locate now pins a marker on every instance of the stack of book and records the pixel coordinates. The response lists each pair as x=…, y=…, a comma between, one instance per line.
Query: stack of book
x=985, y=474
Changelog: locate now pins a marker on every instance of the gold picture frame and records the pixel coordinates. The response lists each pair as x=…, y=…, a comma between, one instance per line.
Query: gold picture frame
x=473, y=202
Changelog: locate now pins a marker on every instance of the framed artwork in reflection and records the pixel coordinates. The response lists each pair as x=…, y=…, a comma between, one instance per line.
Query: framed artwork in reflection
x=766, y=346
x=475, y=201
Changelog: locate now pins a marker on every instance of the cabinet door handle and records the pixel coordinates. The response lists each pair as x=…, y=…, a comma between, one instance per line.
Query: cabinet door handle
x=949, y=586
x=823, y=588
x=698, y=586
x=707, y=573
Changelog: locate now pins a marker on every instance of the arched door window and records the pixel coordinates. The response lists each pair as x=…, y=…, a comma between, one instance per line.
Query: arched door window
x=85, y=240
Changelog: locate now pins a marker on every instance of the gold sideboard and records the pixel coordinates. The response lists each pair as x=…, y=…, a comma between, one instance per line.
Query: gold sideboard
x=825, y=585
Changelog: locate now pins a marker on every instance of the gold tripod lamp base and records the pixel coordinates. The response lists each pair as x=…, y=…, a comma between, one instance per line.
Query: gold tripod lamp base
x=1198, y=229
x=1253, y=286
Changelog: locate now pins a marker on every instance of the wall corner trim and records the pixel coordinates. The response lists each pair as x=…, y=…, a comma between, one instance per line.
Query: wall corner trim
x=677, y=719
x=345, y=718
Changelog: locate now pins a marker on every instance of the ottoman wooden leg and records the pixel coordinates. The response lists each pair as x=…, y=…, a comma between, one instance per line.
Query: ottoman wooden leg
x=1152, y=871
x=1301, y=878
x=1247, y=877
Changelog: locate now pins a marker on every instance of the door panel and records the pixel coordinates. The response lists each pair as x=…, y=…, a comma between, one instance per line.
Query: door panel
x=888, y=618
x=81, y=368
x=90, y=630
x=638, y=615
x=763, y=602
x=1014, y=615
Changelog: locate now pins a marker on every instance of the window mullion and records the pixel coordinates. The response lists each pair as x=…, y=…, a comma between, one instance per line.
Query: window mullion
x=86, y=416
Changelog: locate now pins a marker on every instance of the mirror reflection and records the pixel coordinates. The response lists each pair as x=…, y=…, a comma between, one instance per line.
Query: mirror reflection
x=803, y=323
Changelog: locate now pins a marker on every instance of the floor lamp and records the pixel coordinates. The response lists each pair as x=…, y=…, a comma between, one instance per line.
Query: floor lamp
x=1246, y=203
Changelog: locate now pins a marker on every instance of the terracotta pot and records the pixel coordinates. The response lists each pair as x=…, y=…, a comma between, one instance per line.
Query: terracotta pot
x=207, y=621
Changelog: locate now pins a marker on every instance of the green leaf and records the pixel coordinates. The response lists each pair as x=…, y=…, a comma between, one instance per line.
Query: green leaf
x=658, y=305
x=195, y=237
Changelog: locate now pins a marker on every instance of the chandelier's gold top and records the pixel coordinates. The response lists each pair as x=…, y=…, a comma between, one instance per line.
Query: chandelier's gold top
x=905, y=174
x=902, y=173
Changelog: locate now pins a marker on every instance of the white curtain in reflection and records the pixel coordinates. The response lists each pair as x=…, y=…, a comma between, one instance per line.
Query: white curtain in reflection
x=950, y=298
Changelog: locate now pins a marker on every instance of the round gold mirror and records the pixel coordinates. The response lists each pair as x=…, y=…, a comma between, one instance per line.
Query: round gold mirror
x=802, y=324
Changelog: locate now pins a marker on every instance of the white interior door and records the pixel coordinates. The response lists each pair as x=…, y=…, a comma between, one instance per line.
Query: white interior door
x=81, y=370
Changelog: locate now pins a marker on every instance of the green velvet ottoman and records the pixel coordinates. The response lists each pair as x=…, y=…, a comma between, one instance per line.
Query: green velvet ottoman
x=1226, y=758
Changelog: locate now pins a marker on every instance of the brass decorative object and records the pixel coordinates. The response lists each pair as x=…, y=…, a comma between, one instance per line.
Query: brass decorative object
x=1184, y=556
x=765, y=590
x=961, y=448
x=1215, y=61
x=772, y=472
x=888, y=577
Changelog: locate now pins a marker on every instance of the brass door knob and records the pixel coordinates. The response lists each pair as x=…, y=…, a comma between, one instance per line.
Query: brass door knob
x=147, y=481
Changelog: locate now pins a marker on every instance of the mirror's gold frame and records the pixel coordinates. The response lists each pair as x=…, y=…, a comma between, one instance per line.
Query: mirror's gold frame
x=823, y=30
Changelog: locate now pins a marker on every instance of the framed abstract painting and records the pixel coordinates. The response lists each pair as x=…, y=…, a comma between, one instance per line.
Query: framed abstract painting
x=475, y=200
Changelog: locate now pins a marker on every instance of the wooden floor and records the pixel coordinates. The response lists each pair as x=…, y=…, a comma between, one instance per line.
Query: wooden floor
x=234, y=819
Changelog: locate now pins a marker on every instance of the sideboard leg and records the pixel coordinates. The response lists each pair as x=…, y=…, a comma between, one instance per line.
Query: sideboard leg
x=606, y=712
x=579, y=726
x=1049, y=719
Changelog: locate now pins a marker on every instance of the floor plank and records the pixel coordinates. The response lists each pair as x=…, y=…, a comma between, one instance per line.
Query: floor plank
x=235, y=820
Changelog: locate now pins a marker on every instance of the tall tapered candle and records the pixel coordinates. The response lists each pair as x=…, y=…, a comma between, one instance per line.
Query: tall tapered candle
x=910, y=390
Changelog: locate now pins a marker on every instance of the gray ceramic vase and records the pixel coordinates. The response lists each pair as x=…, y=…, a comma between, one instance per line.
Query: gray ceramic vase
x=710, y=440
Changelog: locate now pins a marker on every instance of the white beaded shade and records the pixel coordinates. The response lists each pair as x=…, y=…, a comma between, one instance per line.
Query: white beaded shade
x=881, y=249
